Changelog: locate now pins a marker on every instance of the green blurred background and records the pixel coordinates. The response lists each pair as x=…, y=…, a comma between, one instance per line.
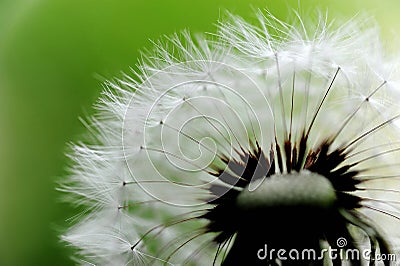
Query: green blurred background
x=53, y=56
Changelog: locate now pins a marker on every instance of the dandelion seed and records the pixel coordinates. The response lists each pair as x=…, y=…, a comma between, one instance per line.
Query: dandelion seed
x=284, y=135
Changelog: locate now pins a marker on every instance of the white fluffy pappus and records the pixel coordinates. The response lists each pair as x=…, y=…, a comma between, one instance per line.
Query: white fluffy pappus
x=205, y=120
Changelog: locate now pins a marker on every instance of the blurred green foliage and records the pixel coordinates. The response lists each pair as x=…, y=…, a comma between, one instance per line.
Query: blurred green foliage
x=53, y=56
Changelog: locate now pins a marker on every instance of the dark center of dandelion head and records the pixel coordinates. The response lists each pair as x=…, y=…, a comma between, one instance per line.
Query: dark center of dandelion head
x=304, y=189
x=287, y=212
x=294, y=209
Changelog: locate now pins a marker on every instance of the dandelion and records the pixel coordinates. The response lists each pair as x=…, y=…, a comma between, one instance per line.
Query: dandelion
x=278, y=135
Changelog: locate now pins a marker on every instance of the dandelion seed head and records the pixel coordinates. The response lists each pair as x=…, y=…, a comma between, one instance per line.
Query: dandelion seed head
x=216, y=144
